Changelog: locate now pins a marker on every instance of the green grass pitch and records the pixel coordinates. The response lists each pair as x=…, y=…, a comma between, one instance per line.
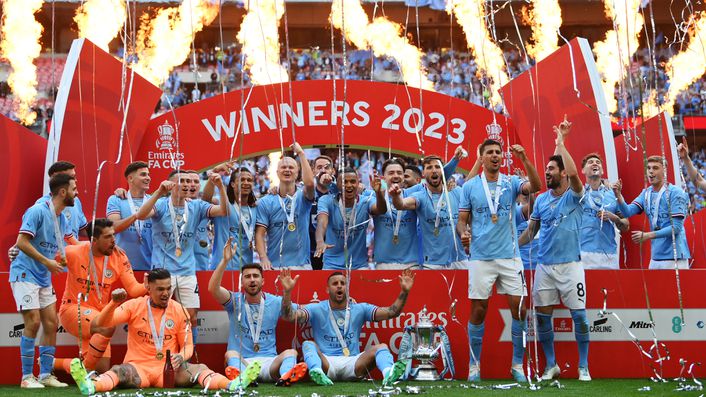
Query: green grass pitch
x=596, y=388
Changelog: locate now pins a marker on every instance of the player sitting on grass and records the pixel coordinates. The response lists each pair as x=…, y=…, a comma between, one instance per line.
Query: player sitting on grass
x=156, y=324
x=252, y=336
x=336, y=323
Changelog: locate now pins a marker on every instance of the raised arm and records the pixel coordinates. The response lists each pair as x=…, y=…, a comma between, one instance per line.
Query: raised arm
x=127, y=278
x=222, y=208
x=626, y=210
x=380, y=206
x=220, y=294
x=535, y=183
x=562, y=131
x=107, y=317
x=691, y=171
x=307, y=173
x=406, y=204
x=287, y=312
x=146, y=211
x=450, y=167
x=394, y=310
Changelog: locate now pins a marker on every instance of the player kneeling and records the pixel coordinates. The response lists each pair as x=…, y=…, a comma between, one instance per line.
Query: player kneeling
x=156, y=324
x=336, y=324
x=253, y=317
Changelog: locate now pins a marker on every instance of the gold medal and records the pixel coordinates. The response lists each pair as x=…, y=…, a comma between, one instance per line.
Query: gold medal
x=494, y=218
x=256, y=348
x=346, y=352
x=436, y=231
x=160, y=355
x=178, y=251
x=292, y=227
x=395, y=239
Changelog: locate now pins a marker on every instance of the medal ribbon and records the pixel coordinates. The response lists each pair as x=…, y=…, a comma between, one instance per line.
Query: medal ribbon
x=57, y=230
x=348, y=223
x=254, y=330
x=437, y=207
x=133, y=210
x=654, y=212
x=178, y=232
x=396, y=216
x=290, y=214
x=492, y=205
x=94, y=274
x=334, y=324
x=248, y=228
x=157, y=338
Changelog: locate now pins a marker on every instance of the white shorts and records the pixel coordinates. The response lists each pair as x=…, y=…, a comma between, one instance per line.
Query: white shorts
x=566, y=281
x=265, y=365
x=434, y=267
x=668, y=264
x=395, y=266
x=459, y=265
x=599, y=260
x=342, y=368
x=185, y=290
x=30, y=296
x=506, y=274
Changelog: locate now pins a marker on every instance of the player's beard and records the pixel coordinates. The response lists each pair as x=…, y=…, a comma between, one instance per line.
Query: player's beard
x=68, y=201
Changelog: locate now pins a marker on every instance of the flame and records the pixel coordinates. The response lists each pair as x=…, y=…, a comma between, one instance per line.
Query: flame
x=545, y=19
x=20, y=46
x=689, y=64
x=259, y=36
x=164, y=42
x=100, y=21
x=383, y=37
x=489, y=57
x=613, y=54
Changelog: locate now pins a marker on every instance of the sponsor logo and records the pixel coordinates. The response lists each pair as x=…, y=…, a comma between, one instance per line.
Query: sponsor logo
x=676, y=324
x=641, y=325
x=165, y=140
x=600, y=326
x=16, y=331
x=563, y=325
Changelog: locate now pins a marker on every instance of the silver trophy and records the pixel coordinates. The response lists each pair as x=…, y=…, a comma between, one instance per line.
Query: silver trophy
x=425, y=349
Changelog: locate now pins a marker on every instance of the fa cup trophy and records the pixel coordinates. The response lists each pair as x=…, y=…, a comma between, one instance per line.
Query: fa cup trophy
x=424, y=349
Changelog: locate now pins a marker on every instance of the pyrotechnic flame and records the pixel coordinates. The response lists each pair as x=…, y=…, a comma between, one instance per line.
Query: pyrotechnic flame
x=383, y=37
x=545, y=19
x=489, y=57
x=613, y=54
x=259, y=36
x=164, y=42
x=20, y=46
x=689, y=64
x=100, y=21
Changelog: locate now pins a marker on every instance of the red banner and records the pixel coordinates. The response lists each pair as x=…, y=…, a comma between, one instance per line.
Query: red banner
x=262, y=119
x=92, y=107
x=564, y=83
x=23, y=154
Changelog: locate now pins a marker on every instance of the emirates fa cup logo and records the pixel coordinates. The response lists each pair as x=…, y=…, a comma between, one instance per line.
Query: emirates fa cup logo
x=166, y=140
x=494, y=131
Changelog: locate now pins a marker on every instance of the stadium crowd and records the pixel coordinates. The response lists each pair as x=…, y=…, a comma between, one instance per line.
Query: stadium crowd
x=453, y=73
